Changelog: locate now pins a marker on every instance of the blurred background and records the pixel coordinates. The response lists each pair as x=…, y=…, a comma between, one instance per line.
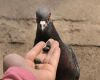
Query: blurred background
x=77, y=22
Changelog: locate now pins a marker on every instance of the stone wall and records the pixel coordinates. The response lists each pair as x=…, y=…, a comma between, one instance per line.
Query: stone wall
x=77, y=22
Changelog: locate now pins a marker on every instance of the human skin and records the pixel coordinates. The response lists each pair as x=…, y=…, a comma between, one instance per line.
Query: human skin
x=45, y=71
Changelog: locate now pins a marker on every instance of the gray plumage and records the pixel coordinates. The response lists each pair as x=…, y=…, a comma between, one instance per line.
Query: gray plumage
x=42, y=13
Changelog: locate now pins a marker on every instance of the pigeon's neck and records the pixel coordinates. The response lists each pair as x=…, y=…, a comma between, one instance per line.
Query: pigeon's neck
x=53, y=32
x=50, y=32
x=55, y=36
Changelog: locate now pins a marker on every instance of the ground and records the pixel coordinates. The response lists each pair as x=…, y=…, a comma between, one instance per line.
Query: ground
x=77, y=22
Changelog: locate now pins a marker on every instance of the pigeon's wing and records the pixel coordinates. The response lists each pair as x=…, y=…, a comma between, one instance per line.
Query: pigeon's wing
x=75, y=62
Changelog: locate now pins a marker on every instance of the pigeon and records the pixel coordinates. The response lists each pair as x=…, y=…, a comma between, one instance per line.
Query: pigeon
x=68, y=67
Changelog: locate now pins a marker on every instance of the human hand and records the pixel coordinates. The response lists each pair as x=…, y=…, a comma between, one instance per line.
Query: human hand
x=46, y=70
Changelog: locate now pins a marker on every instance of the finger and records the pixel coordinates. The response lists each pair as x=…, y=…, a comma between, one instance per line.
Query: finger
x=42, y=54
x=30, y=63
x=35, y=51
x=40, y=57
x=50, y=41
x=44, y=67
x=54, y=44
x=55, y=58
x=14, y=60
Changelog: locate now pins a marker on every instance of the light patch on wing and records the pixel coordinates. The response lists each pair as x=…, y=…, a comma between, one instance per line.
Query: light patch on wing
x=43, y=24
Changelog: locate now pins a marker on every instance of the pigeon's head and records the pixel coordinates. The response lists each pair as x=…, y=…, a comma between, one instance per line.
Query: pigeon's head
x=43, y=17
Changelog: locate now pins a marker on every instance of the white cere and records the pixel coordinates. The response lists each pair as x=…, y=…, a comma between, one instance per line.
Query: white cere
x=43, y=24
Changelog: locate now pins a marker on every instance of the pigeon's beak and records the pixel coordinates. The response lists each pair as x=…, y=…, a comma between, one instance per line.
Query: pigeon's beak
x=43, y=25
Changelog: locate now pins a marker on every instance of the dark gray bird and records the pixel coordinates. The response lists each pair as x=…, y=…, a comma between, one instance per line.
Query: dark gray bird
x=68, y=68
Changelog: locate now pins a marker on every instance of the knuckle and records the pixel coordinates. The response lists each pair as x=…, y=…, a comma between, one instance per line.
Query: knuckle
x=56, y=43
